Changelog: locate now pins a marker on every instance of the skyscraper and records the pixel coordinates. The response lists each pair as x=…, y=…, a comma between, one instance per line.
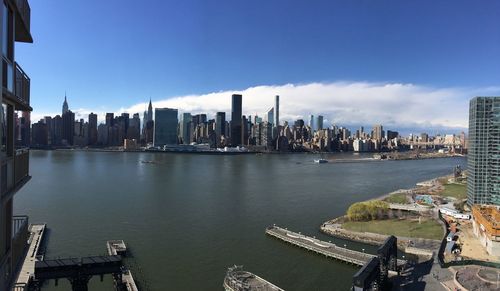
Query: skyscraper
x=276, y=122
x=148, y=124
x=270, y=116
x=165, y=126
x=65, y=106
x=311, y=121
x=378, y=132
x=185, y=128
x=92, y=129
x=236, y=112
x=110, y=119
x=319, y=122
x=483, y=162
x=134, y=128
x=68, y=127
x=220, y=126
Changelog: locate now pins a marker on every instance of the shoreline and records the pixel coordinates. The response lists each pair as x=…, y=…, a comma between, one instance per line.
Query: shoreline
x=414, y=245
x=330, y=154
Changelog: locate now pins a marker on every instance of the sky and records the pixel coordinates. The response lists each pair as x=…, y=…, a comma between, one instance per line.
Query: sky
x=405, y=64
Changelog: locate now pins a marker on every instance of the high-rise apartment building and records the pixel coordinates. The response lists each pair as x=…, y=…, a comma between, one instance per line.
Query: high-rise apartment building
x=236, y=114
x=165, y=127
x=483, y=161
x=15, y=19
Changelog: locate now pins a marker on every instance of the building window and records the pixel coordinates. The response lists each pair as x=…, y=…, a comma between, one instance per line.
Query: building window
x=3, y=130
x=7, y=48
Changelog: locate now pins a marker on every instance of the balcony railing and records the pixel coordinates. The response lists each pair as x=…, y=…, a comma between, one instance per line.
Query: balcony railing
x=22, y=89
x=20, y=236
x=14, y=172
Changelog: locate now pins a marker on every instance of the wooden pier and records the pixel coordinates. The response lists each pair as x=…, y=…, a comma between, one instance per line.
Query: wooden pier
x=327, y=249
x=27, y=271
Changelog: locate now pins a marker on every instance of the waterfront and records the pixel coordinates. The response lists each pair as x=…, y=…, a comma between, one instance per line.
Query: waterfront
x=186, y=218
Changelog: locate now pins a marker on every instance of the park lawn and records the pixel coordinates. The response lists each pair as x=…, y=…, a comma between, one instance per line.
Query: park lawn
x=458, y=191
x=429, y=229
x=399, y=198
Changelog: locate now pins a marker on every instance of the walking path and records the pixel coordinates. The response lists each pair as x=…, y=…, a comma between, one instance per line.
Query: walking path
x=28, y=268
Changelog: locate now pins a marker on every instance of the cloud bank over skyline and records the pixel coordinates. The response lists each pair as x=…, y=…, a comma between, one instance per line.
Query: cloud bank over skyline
x=405, y=107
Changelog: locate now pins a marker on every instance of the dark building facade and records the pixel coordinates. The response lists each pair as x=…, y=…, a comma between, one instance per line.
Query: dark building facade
x=92, y=129
x=68, y=128
x=236, y=114
x=15, y=21
x=165, y=127
x=220, y=127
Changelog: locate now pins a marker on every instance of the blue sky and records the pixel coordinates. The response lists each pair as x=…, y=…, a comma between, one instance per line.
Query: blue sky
x=112, y=55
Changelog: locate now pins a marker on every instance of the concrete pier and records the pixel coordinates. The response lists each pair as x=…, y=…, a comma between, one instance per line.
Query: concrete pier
x=327, y=249
x=27, y=271
x=239, y=280
x=118, y=247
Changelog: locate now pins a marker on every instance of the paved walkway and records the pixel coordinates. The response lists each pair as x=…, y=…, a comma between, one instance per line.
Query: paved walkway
x=28, y=268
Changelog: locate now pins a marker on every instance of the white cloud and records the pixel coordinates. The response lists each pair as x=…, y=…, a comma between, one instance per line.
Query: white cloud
x=394, y=105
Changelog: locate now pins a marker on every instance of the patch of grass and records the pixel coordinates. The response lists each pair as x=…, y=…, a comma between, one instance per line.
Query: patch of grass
x=399, y=198
x=429, y=229
x=458, y=191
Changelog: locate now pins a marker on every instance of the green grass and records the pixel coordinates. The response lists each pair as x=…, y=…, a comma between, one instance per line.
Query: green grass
x=458, y=191
x=399, y=198
x=430, y=229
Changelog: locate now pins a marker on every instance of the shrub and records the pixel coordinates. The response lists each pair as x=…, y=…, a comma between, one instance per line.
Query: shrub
x=368, y=210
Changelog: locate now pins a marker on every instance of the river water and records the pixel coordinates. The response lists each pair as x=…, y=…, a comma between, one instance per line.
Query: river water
x=186, y=218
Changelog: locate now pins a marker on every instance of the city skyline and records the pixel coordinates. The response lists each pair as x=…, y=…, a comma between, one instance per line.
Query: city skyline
x=423, y=113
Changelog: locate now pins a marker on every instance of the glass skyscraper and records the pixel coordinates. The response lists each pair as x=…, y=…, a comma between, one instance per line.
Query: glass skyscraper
x=483, y=169
x=165, y=132
x=236, y=130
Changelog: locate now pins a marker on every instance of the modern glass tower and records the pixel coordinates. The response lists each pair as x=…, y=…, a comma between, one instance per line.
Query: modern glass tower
x=165, y=127
x=236, y=113
x=483, y=169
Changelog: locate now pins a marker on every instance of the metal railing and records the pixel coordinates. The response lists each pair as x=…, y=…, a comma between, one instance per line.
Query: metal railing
x=25, y=11
x=22, y=85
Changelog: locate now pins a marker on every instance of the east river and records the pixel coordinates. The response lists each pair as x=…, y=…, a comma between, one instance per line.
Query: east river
x=186, y=217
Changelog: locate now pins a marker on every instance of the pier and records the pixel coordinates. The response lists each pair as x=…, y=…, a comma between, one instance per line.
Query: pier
x=327, y=249
x=239, y=280
x=27, y=271
x=118, y=247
